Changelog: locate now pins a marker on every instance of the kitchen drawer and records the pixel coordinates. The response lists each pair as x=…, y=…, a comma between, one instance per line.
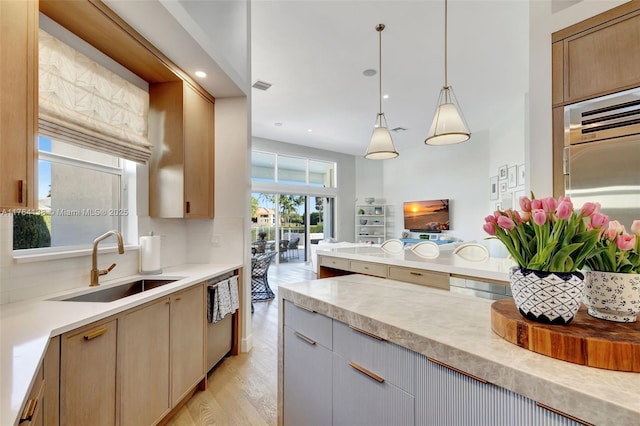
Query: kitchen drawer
x=333, y=262
x=308, y=324
x=389, y=361
x=360, y=397
x=368, y=268
x=32, y=411
x=419, y=276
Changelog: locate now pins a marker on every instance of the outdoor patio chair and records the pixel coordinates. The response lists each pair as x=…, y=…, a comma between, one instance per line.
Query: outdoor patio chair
x=260, y=290
x=293, y=245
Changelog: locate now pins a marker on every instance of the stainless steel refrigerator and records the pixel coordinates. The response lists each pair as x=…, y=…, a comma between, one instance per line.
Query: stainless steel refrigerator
x=602, y=154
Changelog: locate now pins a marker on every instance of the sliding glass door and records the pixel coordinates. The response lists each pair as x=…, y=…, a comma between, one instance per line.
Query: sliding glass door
x=289, y=223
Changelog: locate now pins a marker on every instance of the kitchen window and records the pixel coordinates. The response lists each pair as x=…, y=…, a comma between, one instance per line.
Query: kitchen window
x=81, y=194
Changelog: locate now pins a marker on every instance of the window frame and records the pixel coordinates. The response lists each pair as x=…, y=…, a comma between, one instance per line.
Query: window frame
x=125, y=171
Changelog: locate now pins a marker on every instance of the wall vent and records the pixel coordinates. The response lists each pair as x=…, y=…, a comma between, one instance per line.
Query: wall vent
x=261, y=85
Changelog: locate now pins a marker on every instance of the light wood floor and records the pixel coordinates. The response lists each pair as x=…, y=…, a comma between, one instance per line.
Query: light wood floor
x=242, y=390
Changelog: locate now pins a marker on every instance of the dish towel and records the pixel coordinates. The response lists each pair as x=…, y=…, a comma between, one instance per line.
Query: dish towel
x=222, y=299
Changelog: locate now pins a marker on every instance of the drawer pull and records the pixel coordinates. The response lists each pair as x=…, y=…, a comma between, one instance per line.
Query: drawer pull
x=366, y=333
x=366, y=267
x=366, y=372
x=20, y=191
x=29, y=411
x=419, y=274
x=565, y=415
x=305, y=338
x=95, y=333
x=441, y=364
x=305, y=308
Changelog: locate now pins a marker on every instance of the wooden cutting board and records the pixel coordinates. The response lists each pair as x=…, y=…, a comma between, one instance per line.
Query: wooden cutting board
x=586, y=340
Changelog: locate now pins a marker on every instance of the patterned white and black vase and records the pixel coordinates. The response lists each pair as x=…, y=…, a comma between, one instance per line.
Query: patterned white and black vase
x=547, y=297
x=613, y=296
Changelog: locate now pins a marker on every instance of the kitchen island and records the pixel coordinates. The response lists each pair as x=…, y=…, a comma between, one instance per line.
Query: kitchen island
x=27, y=327
x=432, y=337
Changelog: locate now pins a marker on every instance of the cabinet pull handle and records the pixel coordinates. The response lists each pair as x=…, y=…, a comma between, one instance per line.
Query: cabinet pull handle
x=366, y=333
x=178, y=298
x=560, y=413
x=305, y=308
x=416, y=273
x=366, y=372
x=441, y=364
x=29, y=411
x=188, y=207
x=20, y=191
x=305, y=338
x=366, y=267
x=95, y=333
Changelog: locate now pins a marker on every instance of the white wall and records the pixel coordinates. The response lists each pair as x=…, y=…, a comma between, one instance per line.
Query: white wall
x=457, y=172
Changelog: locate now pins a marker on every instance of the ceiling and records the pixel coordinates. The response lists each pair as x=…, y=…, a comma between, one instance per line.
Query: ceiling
x=314, y=52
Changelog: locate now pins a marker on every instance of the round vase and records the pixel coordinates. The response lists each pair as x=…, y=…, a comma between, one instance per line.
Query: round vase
x=547, y=297
x=613, y=296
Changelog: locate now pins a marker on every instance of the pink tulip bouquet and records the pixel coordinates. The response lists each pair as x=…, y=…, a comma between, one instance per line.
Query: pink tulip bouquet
x=616, y=250
x=548, y=234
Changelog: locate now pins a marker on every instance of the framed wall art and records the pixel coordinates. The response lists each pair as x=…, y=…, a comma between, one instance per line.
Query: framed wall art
x=512, y=177
x=502, y=172
x=493, y=188
x=521, y=175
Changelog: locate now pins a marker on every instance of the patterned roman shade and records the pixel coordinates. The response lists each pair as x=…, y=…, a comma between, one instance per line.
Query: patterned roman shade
x=83, y=103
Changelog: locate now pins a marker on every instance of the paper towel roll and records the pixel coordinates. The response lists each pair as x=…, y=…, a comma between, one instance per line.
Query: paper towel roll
x=150, y=255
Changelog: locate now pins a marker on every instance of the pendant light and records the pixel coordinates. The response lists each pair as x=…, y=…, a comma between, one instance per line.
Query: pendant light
x=381, y=146
x=448, y=126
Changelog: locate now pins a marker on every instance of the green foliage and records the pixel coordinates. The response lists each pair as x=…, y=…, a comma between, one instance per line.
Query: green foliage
x=30, y=231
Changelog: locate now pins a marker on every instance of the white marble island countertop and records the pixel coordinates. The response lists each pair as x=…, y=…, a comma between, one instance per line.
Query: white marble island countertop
x=26, y=327
x=496, y=269
x=456, y=330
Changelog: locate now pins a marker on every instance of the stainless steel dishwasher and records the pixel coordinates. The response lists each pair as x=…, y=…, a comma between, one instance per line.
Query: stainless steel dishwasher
x=219, y=334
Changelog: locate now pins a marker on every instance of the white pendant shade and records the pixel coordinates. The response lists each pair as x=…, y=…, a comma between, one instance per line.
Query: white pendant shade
x=381, y=146
x=448, y=126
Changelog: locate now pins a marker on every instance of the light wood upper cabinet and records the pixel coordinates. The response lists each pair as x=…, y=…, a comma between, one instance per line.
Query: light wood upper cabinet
x=18, y=102
x=187, y=341
x=88, y=375
x=143, y=343
x=181, y=170
x=603, y=59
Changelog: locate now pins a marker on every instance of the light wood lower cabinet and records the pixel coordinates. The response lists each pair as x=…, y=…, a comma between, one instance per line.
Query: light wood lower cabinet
x=187, y=341
x=134, y=367
x=368, y=268
x=419, y=276
x=143, y=344
x=88, y=375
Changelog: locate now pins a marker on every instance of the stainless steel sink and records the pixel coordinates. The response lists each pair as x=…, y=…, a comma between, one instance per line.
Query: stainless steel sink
x=110, y=294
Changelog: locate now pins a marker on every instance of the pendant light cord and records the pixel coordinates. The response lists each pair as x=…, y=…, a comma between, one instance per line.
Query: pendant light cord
x=446, y=81
x=380, y=27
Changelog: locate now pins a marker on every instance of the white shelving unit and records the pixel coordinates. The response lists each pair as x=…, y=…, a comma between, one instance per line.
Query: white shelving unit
x=371, y=226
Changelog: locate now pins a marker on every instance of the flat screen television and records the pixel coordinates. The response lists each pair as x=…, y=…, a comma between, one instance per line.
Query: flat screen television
x=426, y=216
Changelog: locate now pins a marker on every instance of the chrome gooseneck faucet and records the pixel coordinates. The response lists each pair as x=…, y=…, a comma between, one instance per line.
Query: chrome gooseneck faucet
x=95, y=272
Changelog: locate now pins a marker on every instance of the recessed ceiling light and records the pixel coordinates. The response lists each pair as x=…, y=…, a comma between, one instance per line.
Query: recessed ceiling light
x=369, y=73
x=201, y=74
x=309, y=130
x=277, y=124
x=385, y=96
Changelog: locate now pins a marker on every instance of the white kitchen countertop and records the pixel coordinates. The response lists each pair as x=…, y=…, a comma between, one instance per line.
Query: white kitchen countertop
x=456, y=330
x=493, y=268
x=27, y=326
